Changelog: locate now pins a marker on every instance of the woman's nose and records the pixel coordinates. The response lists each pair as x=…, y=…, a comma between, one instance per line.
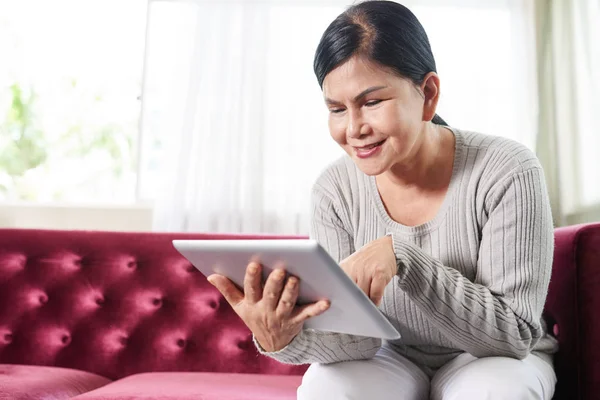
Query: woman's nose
x=355, y=126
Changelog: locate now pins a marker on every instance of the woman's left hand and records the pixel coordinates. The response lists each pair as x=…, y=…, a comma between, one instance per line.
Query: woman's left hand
x=372, y=267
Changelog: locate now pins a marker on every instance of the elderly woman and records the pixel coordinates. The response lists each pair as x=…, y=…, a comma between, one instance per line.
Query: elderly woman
x=448, y=231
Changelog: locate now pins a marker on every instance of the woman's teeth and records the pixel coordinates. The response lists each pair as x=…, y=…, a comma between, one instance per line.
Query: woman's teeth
x=370, y=146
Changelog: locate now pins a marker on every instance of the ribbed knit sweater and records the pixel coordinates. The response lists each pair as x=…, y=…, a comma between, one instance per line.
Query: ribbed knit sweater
x=473, y=279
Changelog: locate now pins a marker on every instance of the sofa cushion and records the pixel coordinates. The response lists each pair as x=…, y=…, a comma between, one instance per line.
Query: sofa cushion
x=21, y=382
x=198, y=386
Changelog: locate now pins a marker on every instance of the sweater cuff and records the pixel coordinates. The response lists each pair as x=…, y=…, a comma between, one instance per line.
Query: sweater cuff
x=287, y=355
x=411, y=262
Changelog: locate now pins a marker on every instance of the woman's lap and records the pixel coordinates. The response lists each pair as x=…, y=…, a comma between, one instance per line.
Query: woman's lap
x=388, y=375
x=391, y=376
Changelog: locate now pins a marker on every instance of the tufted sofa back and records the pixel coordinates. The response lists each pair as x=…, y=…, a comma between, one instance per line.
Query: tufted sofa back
x=115, y=304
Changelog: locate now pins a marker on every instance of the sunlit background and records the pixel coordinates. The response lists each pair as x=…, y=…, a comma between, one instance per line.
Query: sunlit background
x=205, y=115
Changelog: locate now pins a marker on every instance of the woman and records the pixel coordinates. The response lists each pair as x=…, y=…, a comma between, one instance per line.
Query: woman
x=448, y=231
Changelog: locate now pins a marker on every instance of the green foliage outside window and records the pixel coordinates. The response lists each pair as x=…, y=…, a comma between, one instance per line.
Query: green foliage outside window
x=26, y=148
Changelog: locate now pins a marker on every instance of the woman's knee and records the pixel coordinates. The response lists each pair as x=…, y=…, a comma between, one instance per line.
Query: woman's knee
x=491, y=388
x=368, y=379
x=493, y=378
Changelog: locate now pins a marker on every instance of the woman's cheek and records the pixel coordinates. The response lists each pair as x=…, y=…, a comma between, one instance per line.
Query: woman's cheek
x=337, y=130
x=381, y=116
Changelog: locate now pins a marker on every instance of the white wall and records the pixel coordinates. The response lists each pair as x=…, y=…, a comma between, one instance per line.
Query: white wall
x=590, y=214
x=124, y=218
x=113, y=218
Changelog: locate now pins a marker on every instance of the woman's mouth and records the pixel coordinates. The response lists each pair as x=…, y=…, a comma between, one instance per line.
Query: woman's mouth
x=368, y=150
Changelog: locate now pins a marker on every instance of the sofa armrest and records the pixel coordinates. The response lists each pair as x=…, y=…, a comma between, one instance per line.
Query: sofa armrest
x=572, y=310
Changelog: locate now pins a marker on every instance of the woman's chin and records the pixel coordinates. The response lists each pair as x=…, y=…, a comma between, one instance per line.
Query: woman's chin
x=369, y=167
x=371, y=164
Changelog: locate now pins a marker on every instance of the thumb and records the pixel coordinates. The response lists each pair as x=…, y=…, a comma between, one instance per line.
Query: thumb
x=232, y=294
x=376, y=291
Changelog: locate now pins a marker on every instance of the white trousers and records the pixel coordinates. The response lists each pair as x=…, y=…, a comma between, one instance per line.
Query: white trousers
x=390, y=376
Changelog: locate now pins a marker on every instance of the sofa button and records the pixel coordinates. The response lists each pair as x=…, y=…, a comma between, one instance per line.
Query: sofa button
x=243, y=345
x=181, y=343
x=213, y=304
x=157, y=302
x=131, y=264
x=66, y=339
x=123, y=340
x=8, y=338
x=100, y=301
x=43, y=299
x=190, y=268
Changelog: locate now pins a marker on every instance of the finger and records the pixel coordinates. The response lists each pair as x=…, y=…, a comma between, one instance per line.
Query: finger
x=379, y=282
x=232, y=294
x=310, y=310
x=252, y=283
x=377, y=290
x=273, y=288
x=364, y=283
x=288, y=299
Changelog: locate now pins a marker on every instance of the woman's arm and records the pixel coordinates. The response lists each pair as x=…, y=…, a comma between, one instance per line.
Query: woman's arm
x=500, y=313
x=312, y=346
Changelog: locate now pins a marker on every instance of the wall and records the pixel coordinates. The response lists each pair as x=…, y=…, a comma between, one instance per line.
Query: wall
x=591, y=214
x=126, y=218
x=112, y=218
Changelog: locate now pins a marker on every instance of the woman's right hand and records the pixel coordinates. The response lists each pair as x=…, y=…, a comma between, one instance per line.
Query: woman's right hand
x=270, y=313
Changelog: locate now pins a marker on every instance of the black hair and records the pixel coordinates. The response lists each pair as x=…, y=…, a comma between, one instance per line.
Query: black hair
x=385, y=32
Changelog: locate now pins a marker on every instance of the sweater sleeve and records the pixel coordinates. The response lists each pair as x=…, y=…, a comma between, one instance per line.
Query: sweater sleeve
x=499, y=314
x=312, y=346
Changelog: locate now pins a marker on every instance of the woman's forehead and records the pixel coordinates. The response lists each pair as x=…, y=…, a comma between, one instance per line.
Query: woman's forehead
x=356, y=75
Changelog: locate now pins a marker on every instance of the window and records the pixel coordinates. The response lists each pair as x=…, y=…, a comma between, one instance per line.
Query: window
x=485, y=56
x=70, y=82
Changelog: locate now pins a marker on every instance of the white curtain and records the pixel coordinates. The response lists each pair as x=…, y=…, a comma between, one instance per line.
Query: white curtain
x=568, y=39
x=233, y=123
x=236, y=113
x=485, y=54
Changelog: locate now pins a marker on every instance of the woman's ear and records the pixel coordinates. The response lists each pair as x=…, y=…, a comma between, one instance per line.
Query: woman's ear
x=431, y=93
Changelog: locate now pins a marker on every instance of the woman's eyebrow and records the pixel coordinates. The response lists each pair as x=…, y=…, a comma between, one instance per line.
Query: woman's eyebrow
x=359, y=96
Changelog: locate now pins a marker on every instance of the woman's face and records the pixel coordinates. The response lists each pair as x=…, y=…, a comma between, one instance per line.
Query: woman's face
x=375, y=115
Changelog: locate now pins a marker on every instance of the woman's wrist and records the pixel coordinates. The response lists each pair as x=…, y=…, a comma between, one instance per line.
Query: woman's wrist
x=271, y=346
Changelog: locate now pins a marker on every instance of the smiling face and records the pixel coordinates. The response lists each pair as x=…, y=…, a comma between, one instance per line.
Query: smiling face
x=375, y=115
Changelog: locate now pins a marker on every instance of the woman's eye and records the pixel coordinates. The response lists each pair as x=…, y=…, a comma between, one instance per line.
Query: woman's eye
x=372, y=103
x=336, y=110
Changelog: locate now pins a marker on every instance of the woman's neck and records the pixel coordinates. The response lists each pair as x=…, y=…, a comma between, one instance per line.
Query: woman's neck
x=427, y=168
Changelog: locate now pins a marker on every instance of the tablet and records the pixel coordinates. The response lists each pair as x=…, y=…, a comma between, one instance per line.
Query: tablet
x=321, y=278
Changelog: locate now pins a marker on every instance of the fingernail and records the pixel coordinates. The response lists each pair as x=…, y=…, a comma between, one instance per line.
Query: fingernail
x=252, y=268
x=210, y=280
x=324, y=305
x=279, y=274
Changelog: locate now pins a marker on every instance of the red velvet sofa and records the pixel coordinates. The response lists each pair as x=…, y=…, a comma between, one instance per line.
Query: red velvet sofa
x=108, y=315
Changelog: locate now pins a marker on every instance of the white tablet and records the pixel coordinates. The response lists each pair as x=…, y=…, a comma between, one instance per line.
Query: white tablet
x=321, y=278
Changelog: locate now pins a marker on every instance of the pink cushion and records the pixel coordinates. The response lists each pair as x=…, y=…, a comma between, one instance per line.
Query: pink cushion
x=21, y=382
x=198, y=385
